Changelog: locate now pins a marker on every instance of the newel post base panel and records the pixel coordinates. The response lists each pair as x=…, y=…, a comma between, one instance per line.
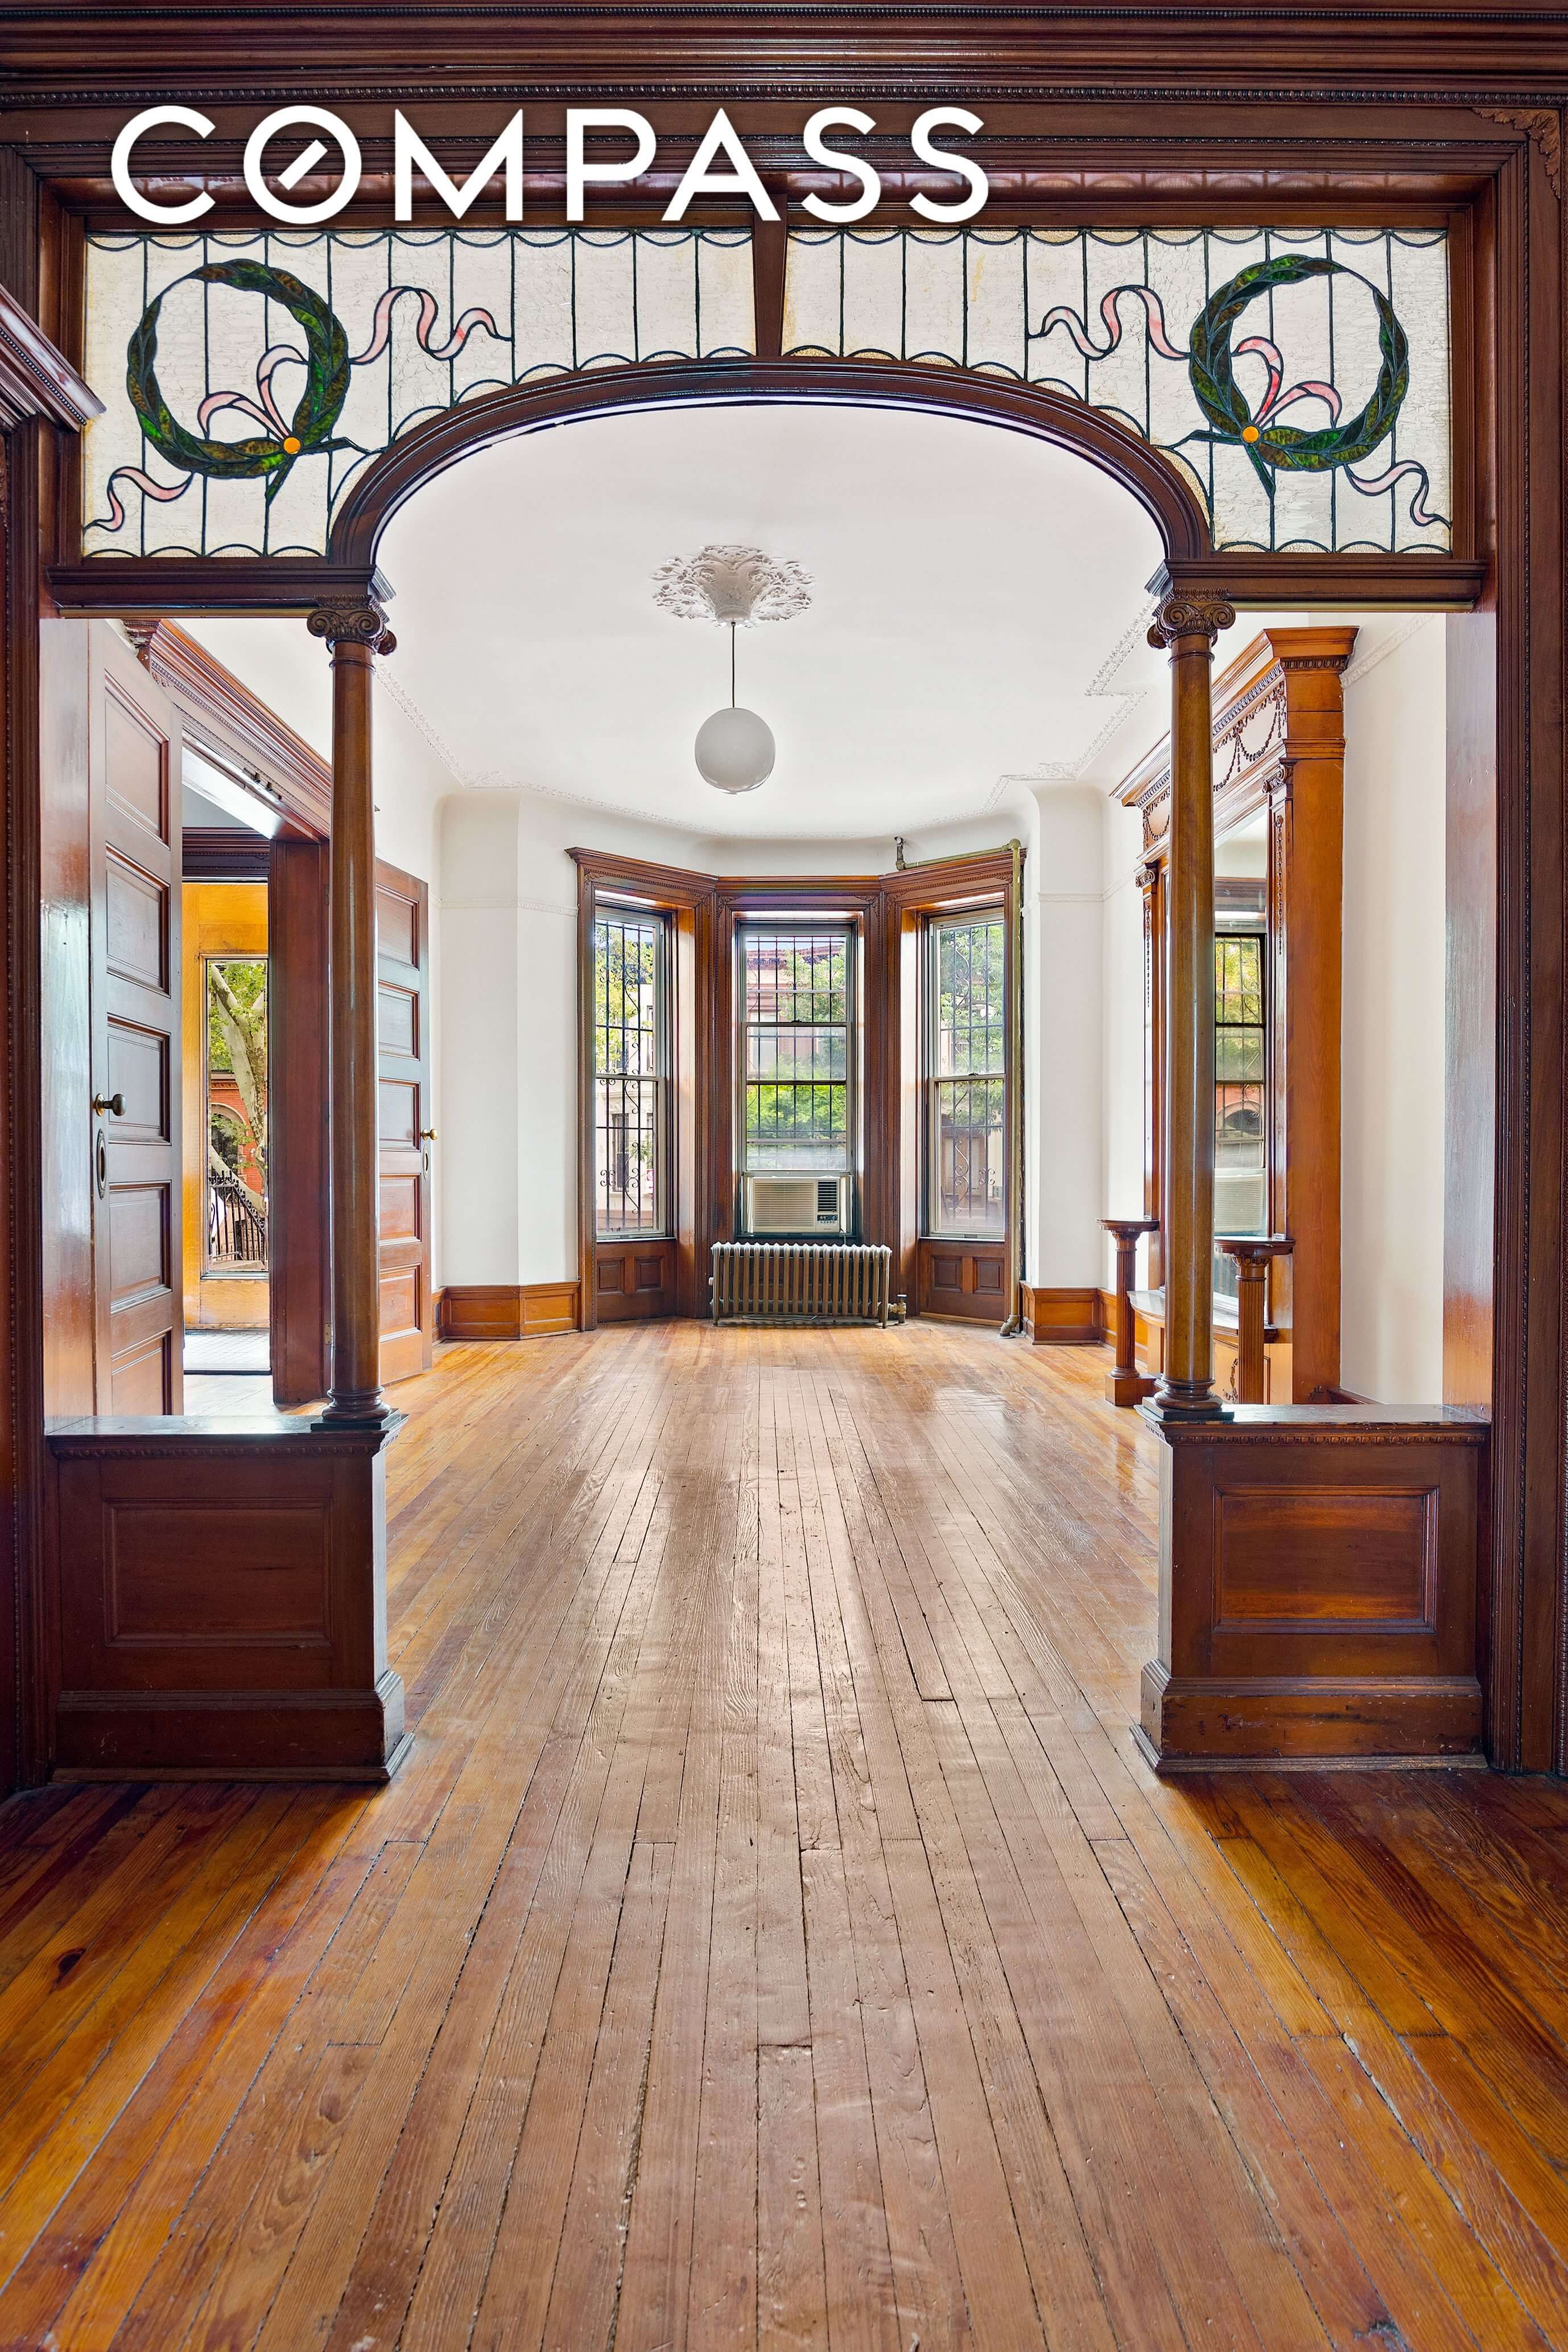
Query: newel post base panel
x=1318, y=1578
x=219, y=1597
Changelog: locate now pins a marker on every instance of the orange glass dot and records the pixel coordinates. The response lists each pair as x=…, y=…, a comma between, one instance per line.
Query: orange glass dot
x=291, y=446
x=1248, y=433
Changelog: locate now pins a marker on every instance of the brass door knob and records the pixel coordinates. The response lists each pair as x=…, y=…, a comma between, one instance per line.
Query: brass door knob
x=426, y=1135
x=115, y=1104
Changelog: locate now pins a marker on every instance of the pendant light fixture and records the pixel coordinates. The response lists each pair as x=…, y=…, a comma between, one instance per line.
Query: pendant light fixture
x=738, y=587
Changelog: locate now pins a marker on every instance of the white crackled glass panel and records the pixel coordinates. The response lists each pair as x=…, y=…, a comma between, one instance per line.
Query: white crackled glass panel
x=1298, y=377
x=247, y=380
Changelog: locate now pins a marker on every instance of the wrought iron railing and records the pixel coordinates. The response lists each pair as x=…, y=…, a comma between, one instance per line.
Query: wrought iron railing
x=236, y=1222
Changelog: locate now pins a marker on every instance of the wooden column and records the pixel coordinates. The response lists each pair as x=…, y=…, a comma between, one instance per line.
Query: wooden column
x=1252, y=1256
x=1124, y=1384
x=355, y=631
x=1187, y=624
x=1150, y=880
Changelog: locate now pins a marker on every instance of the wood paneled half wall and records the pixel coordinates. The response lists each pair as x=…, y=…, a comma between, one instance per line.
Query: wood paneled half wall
x=220, y=1590
x=507, y=1310
x=1326, y=1600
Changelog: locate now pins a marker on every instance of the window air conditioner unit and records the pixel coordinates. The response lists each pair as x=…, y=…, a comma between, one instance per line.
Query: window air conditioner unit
x=797, y=1204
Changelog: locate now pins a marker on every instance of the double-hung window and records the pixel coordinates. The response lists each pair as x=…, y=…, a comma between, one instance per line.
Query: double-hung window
x=1241, y=1102
x=966, y=1080
x=631, y=1070
x=797, y=989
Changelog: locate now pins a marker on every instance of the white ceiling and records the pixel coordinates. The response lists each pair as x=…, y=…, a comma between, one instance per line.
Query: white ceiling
x=978, y=615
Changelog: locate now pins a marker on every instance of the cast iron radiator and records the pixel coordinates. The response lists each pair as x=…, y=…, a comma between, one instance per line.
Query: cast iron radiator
x=801, y=1282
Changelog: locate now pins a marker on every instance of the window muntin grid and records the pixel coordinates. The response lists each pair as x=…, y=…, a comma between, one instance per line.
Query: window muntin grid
x=630, y=1073
x=1241, y=1094
x=966, y=1029
x=798, y=1018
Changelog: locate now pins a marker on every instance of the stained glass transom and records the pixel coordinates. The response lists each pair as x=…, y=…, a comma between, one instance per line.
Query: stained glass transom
x=1298, y=377
x=250, y=379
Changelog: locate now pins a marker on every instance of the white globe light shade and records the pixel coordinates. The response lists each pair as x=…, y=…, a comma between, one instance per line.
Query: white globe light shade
x=735, y=751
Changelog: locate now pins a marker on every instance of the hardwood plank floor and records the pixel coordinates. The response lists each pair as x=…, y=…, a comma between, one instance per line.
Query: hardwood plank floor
x=775, y=1938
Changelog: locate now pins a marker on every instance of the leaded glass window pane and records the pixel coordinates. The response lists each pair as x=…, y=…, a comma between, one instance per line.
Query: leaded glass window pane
x=967, y=1041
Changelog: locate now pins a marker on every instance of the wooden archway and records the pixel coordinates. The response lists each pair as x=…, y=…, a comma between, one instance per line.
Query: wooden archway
x=416, y=458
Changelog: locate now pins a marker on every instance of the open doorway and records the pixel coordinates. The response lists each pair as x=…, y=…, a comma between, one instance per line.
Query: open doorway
x=226, y=1072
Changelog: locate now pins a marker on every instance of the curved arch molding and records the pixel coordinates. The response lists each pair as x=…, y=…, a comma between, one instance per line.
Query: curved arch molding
x=1279, y=391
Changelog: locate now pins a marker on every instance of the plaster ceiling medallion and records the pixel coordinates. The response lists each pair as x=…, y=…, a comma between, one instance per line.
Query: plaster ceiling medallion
x=737, y=587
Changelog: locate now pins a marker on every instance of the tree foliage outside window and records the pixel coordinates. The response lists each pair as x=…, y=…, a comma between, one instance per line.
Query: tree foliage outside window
x=967, y=1043
x=628, y=1073
x=238, y=1110
x=796, y=1010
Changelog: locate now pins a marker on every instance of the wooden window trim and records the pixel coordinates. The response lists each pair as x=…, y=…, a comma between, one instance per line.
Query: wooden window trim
x=704, y=909
x=1279, y=740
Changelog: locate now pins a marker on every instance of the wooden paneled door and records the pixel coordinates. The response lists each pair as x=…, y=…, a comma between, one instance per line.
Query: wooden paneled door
x=403, y=1037
x=132, y=1128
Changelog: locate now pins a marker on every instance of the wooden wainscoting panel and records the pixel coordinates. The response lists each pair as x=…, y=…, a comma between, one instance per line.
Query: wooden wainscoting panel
x=1291, y=1558
x=1064, y=1318
x=633, y=1278
x=220, y=1600
x=1318, y=1570
x=510, y=1310
x=548, y=1307
x=967, y=1281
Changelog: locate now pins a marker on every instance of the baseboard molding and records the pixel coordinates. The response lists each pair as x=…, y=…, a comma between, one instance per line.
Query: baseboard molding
x=512, y=1310
x=1261, y=1719
x=1063, y=1318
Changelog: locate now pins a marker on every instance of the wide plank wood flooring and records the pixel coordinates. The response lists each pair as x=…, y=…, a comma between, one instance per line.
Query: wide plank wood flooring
x=775, y=1938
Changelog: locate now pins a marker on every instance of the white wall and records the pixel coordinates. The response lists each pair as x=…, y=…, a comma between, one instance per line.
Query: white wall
x=1123, y=1027
x=1064, y=1081
x=1392, y=1037
x=506, y=1201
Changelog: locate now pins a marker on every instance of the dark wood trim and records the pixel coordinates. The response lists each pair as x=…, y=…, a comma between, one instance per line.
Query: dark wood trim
x=528, y=1311
x=1278, y=743
x=418, y=455
x=299, y=1176
x=134, y=587
x=1430, y=584
x=214, y=853
x=36, y=380
x=233, y=727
